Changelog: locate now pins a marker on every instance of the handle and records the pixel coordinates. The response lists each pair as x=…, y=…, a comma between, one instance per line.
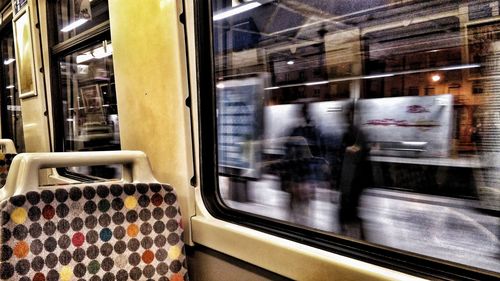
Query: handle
x=24, y=177
x=7, y=146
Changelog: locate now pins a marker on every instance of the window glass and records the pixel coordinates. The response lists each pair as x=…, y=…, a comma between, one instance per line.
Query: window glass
x=76, y=16
x=86, y=85
x=89, y=101
x=12, y=120
x=376, y=120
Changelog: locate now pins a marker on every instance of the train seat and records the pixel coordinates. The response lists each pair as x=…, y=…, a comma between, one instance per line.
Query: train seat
x=101, y=231
x=7, y=153
x=5, y=161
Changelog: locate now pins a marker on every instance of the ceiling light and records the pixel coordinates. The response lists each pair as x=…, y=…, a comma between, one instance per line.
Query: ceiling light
x=290, y=62
x=102, y=52
x=378, y=76
x=316, y=83
x=456, y=67
x=8, y=61
x=84, y=57
x=10, y=87
x=97, y=53
x=436, y=77
x=74, y=25
x=236, y=10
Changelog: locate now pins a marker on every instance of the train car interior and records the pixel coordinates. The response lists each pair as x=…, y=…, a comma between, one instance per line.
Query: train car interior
x=257, y=140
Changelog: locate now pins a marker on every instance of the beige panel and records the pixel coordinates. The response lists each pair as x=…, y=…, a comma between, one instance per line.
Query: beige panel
x=213, y=266
x=34, y=125
x=35, y=122
x=45, y=54
x=150, y=76
x=284, y=257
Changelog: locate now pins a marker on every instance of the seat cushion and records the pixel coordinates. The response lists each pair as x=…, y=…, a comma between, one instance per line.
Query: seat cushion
x=5, y=161
x=109, y=232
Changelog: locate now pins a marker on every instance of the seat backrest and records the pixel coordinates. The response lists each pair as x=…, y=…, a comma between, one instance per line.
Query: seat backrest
x=5, y=161
x=24, y=171
x=107, y=232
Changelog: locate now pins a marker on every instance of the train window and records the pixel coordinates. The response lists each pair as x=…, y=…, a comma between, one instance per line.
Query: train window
x=12, y=120
x=85, y=109
x=373, y=120
x=89, y=99
x=77, y=16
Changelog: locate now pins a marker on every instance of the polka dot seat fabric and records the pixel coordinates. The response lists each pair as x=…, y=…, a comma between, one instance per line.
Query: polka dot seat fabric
x=97, y=233
x=5, y=161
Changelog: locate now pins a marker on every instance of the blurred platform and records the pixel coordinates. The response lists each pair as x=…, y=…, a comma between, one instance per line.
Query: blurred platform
x=451, y=229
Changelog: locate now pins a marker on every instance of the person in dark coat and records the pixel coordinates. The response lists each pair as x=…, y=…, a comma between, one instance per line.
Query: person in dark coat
x=356, y=175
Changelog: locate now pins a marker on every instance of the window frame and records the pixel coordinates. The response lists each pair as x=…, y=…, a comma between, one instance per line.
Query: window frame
x=407, y=262
x=7, y=26
x=3, y=99
x=83, y=40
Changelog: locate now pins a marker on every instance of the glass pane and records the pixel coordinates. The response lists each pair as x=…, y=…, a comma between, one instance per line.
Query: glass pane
x=12, y=120
x=76, y=16
x=89, y=101
x=377, y=120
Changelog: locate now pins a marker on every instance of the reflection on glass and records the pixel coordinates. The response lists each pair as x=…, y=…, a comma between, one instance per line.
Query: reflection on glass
x=89, y=101
x=371, y=119
x=12, y=120
x=77, y=16
x=25, y=54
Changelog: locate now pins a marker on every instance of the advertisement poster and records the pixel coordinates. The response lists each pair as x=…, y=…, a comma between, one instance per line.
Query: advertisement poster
x=24, y=56
x=92, y=99
x=90, y=113
x=407, y=126
x=239, y=107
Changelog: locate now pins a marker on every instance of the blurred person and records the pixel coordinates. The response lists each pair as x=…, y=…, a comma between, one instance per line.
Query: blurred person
x=355, y=176
x=308, y=130
x=304, y=165
x=475, y=132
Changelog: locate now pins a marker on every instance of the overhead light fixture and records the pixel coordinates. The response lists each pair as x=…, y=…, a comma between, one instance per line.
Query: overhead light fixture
x=10, y=87
x=456, y=67
x=271, y=88
x=102, y=52
x=414, y=143
x=220, y=86
x=97, y=53
x=378, y=76
x=74, y=25
x=290, y=62
x=236, y=10
x=436, y=77
x=8, y=61
x=316, y=83
x=84, y=57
